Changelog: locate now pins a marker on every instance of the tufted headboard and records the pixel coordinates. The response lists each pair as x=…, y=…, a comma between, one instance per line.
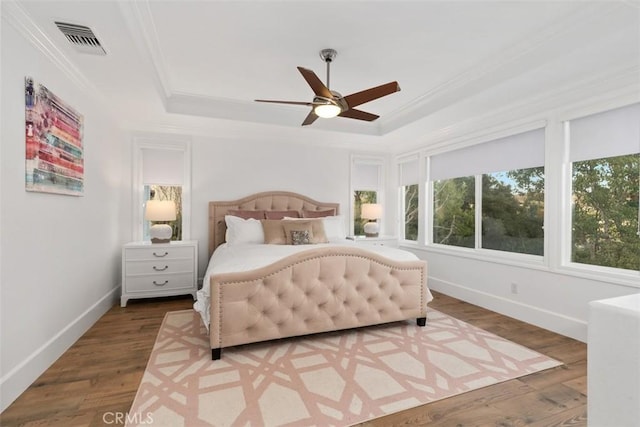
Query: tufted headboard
x=267, y=201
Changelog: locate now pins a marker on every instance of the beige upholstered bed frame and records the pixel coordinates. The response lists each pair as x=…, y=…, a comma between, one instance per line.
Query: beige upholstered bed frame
x=318, y=290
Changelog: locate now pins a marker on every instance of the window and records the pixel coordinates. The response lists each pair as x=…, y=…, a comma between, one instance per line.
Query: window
x=491, y=195
x=411, y=205
x=161, y=172
x=605, y=177
x=366, y=187
x=453, y=212
x=513, y=211
x=409, y=177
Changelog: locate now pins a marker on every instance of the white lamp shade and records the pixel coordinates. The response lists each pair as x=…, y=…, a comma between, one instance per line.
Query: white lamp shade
x=160, y=210
x=371, y=211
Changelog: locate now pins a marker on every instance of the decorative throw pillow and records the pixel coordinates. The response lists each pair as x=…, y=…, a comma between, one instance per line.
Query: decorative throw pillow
x=317, y=228
x=318, y=214
x=281, y=214
x=300, y=237
x=293, y=225
x=274, y=233
x=246, y=214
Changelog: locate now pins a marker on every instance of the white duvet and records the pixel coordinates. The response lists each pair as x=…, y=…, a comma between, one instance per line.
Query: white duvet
x=249, y=256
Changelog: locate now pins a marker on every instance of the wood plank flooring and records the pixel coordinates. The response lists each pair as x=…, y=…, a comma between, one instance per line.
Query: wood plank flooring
x=99, y=375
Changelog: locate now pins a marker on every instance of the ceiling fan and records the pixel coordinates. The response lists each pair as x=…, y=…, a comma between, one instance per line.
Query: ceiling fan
x=328, y=103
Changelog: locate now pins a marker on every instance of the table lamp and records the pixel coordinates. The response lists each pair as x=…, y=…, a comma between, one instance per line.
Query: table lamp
x=372, y=212
x=160, y=210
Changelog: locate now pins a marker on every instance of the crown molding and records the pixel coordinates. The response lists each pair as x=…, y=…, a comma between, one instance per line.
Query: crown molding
x=138, y=18
x=518, y=57
x=19, y=19
x=612, y=89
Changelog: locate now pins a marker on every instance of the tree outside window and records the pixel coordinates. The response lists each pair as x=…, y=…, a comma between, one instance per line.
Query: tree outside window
x=411, y=204
x=513, y=211
x=454, y=217
x=605, y=212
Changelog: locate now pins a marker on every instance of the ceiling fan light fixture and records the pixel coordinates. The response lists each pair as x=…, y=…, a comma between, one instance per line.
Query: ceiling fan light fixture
x=327, y=111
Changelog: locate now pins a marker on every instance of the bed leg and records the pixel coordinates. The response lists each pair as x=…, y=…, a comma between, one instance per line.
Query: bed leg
x=421, y=321
x=216, y=353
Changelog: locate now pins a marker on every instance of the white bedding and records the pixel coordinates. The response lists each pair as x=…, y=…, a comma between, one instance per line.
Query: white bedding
x=249, y=256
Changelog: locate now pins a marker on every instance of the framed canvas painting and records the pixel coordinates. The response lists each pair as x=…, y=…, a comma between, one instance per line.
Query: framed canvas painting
x=54, y=153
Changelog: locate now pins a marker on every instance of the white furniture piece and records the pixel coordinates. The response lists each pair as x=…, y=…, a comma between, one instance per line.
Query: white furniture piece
x=376, y=241
x=159, y=269
x=613, y=362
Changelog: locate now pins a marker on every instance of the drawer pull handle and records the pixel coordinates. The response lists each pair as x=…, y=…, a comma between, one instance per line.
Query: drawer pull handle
x=160, y=284
x=160, y=269
x=162, y=255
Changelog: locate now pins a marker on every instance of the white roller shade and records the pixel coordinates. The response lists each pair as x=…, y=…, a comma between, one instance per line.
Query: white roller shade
x=608, y=134
x=409, y=172
x=162, y=166
x=366, y=176
x=520, y=151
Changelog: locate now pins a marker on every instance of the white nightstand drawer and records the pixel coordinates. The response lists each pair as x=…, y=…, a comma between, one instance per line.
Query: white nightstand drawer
x=158, y=270
x=163, y=266
x=159, y=253
x=160, y=282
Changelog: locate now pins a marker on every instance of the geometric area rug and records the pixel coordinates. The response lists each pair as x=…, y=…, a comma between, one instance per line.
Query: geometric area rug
x=331, y=379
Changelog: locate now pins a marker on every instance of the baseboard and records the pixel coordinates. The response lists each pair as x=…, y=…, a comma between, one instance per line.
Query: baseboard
x=556, y=322
x=15, y=382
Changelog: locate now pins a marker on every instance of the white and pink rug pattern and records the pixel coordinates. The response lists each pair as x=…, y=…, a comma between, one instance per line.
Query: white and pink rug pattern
x=338, y=379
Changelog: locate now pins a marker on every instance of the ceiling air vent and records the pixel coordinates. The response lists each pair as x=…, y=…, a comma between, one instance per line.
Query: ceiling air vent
x=82, y=38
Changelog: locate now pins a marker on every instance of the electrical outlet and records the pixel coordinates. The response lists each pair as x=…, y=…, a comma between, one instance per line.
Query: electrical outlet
x=514, y=288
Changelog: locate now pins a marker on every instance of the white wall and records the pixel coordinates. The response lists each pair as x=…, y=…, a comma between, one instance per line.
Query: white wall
x=59, y=255
x=550, y=299
x=225, y=169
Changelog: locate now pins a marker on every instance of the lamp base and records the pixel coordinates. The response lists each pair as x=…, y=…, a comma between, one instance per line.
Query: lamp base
x=154, y=240
x=371, y=229
x=160, y=233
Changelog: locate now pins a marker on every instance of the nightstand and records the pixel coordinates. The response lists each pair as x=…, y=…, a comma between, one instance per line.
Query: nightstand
x=376, y=241
x=159, y=269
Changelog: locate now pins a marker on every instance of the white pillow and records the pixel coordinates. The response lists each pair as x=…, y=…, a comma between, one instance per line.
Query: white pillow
x=334, y=227
x=243, y=230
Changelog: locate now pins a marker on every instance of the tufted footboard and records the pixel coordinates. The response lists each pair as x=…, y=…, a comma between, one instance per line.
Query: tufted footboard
x=315, y=291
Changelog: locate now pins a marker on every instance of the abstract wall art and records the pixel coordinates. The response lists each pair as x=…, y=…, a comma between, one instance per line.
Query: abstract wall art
x=54, y=152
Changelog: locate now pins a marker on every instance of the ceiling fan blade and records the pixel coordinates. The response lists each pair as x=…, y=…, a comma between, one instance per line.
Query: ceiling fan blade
x=352, y=113
x=311, y=117
x=284, y=102
x=367, y=95
x=316, y=84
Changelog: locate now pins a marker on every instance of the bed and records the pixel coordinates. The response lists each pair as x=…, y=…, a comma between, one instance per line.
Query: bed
x=255, y=291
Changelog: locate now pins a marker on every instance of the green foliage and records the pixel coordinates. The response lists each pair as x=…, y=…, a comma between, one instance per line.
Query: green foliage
x=513, y=211
x=411, y=207
x=605, y=212
x=453, y=221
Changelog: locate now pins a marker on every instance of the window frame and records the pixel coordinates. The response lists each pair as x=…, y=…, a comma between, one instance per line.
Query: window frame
x=175, y=143
x=401, y=214
x=478, y=250
x=589, y=271
x=371, y=160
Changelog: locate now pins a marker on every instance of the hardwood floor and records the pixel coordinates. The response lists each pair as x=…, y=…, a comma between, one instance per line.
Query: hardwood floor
x=98, y=376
